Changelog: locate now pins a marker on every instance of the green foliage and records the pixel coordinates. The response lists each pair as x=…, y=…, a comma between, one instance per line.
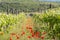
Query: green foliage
x=6, y=21
x=48, y=22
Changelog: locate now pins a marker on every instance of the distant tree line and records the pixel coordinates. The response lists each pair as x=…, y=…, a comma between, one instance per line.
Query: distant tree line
x=15, y=8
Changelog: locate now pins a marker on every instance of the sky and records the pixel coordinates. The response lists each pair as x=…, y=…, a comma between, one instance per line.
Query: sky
x=50, y=0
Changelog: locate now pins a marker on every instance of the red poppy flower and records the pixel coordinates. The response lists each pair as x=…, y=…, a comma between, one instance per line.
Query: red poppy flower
x=22, y=33
x=33, y=35
x=37, y=34
x=30, y=27
x=29, y=37
x=31, y=31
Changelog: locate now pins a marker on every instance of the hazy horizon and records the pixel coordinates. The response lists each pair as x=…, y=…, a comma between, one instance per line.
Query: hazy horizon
x=49, y=0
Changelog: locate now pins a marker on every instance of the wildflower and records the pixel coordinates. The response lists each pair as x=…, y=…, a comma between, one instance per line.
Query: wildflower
x=37, y=34
x=30, y=27
x=22, y=33
x=33, y=35
x=31, y=31
x=29, y=37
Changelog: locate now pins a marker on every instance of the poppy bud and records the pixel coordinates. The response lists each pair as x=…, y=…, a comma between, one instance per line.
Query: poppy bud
x=13, y=34
x=17, y=36
x=42, y=37
x=44, y=33
x=10, y=38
